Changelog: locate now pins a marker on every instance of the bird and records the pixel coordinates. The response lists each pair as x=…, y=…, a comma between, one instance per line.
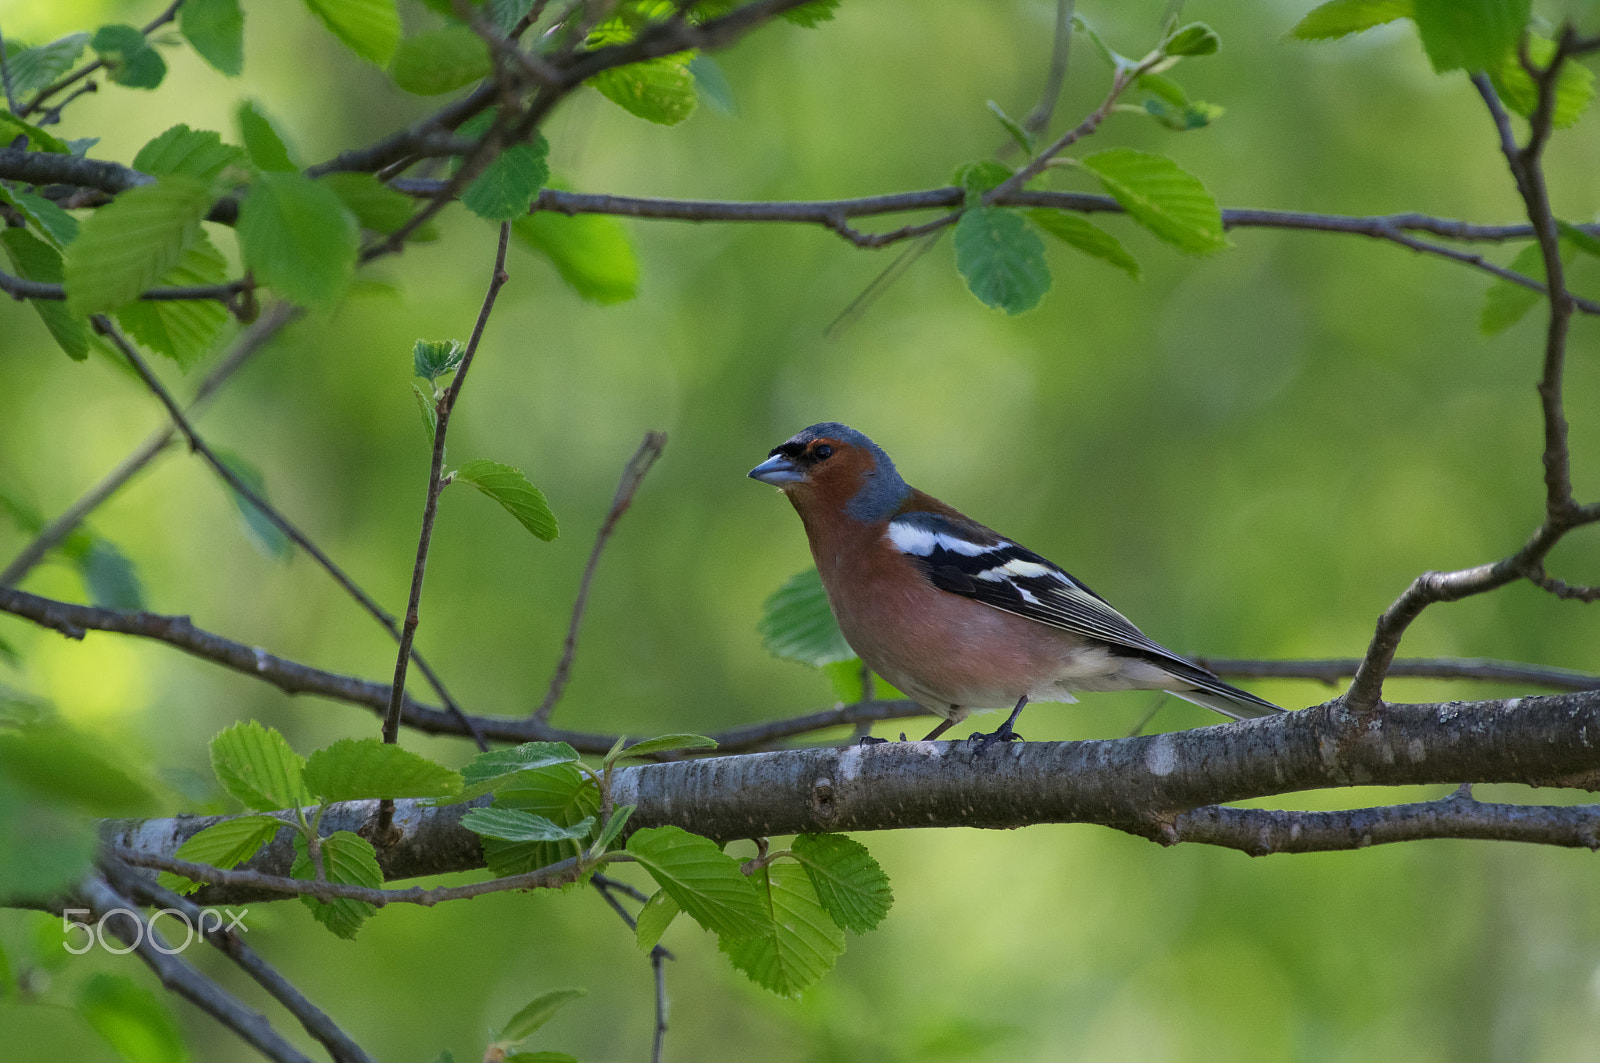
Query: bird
x=952, y=613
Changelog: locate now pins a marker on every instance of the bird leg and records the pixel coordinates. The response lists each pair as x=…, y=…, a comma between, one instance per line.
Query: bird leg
x=944, y=725
x=1003, y=734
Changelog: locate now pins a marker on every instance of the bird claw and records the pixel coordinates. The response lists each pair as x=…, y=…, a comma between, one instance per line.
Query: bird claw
x=1004, y=734
x=869, y=740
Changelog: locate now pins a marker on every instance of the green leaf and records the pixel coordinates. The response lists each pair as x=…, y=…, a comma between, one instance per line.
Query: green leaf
x=440, y=60
x=1165, y=199
x=256, y=765
x=705, y=881
x=1340, y=18
x=613, y=827
x=559, y=793
x=196, y=153
x=798, y=625
x=668, y=742
x=32, y=69
x=1196, y=115
x=1471, y=34
x=712, y=85
x=358, y=769
x=506, y=188
x=430, y=416
x=263, y=140
x=590, y=251
x=35, y=260
x=110, y=578
x=538, y=1011
x=1114, y=60
x=509, y=487
x=215, y=29
x=499, y=768
x=1001, y=259
x=131, y=1019
x=128, y=57
x=849, y=883
x=350, y=860
x=11, y=127
x=1574, y=84
x=44, y=850
x=370, y=28
x=226, y=845
x=130, y=244
x=1505, y=303
x=1194, y=39
x=298, y=238
x=976, y=178
x=800, y=941
x=654, y=918
x=182, y=329
x=72, y=770
x=1023, y=138
x=515, y=825
x=659, y=90
x=265, y=534
x=52, y=223
x=375, y=205
x=1578, y=238
x=1076, y=230
x=812, y=13
x=432, y=359
x=504, y=14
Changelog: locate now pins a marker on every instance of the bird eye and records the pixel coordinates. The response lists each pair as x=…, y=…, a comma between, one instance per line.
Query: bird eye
x=824, y=451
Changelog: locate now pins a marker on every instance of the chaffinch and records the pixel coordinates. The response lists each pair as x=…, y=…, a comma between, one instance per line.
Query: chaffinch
x=956, y=616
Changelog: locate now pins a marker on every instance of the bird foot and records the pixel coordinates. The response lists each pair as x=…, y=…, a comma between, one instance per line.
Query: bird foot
x=1004, y=734
x=869, y=740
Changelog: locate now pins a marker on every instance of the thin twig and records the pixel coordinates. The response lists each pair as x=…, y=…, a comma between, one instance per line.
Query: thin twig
x=633, y=475
x=150, y=27
x=1038, y=119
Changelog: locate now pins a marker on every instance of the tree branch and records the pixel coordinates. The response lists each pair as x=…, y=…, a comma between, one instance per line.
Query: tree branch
x=45, y=93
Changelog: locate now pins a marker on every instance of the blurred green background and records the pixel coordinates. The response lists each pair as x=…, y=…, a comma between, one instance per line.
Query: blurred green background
x=1250, y=454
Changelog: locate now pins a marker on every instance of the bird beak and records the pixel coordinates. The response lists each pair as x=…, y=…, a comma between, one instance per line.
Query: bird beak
x=777, y=471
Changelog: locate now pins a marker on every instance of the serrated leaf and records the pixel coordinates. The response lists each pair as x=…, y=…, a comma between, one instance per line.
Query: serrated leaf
x=666, y=743
x=1001, y=259
x=506, y=188
x=705, y=881
x=812, y=13
x=430, y=416
x=800, y=942
x=797, y=623
x=515, y=825
x=659, y=90
x=591, y=252
x=1079, y=232
x=654, y=918
x=52, y=223
x=350, y=860
x=440, y=60
x=370, y=28
x=35, y=260
x=538, y=1011
x=256, y=765
x=196, y=153
x=1505, y=303
x=1470, y=34
x=509, y=487
x=110, y=578
x=1194, y=39
x=1021, y=136
x=499, y=768
x=182, y=329
x=1574, y=84
x=1162, y=197
x=263, y=141
x=849, y=883
x=131, y=1019
x=613, y=827
x=226, y=845
x=266, y=535
x=32, y=69
x=298, y=238
x=359, y=769
x=215, y=29
x=375, y=205
x=128, y=57
x=1341, y=18
x=559, y=793
x=130, y=244
x=432, y=359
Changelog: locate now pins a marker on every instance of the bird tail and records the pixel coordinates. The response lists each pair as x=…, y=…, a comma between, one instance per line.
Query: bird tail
x=1228, y=700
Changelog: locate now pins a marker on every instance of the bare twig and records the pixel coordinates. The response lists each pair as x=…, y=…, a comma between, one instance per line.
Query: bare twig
x=150, y=27
x=633, y=475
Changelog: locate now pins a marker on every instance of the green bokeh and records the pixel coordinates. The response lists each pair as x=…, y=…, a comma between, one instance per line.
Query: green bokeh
x=1250, y=454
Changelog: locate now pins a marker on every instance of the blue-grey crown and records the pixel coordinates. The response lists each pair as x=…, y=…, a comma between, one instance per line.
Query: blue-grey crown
x=883, y=490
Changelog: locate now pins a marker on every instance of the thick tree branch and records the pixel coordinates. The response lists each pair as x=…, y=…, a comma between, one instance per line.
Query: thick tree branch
x=1159, y=786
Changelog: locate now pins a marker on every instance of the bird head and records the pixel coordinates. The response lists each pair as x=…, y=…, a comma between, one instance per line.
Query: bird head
x=832, y=465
